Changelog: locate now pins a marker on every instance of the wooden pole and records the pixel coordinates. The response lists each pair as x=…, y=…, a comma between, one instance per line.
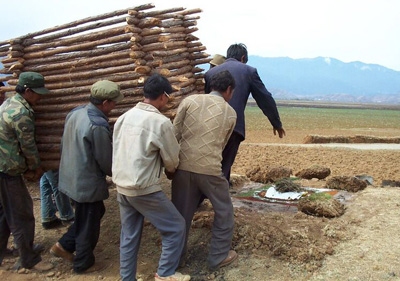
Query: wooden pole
x=76, y=63
x=155, y=31
x=77, y=39
x=86, y=20
x=77, y=47
x=164, y=46
x=98, y=51
x=93, y=66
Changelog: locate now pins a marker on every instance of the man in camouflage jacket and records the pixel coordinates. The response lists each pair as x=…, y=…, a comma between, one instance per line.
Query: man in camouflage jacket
x=19, y=155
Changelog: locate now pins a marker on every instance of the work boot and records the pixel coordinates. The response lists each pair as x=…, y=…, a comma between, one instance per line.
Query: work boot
x=40, y=266
x=37, y=248
x=58, y=251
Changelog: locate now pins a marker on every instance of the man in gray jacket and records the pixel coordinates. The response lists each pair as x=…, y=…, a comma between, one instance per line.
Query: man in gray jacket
x=86, y=159
x=144, y=143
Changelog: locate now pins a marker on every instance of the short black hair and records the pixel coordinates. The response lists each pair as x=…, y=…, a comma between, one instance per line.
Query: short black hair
x=221, y=81
x=95, y=101
x=237, y=51
x=20, y=89
x=1, y=84
x=155, y=86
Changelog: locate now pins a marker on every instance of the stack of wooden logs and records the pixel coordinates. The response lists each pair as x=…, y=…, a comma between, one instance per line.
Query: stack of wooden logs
x=125, y=46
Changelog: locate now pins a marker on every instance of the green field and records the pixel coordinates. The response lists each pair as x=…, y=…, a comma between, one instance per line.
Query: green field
x=323, y=118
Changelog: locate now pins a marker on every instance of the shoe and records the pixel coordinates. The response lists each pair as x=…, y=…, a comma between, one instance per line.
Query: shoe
x=40, y=266
x=67, y=223
x=232, y=256
x=52, y=224
x=38, y=248
x=43, y=266
x=98, y=266
x=58, y=251
x=176, y=277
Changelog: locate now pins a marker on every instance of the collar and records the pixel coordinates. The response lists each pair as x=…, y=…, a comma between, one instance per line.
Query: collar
x=96, y=111
x=147, y=107
x=18, y=97
x=232, y=59
x=215, y=93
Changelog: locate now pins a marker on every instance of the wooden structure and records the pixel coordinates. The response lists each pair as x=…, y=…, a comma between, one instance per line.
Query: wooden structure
x=124, y=46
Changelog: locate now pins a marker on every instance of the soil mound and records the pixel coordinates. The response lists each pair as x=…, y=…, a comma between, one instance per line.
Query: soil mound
x=238, y=180
x=297, y=238
x=321, y=205
x=349, y=139
x=315, y=171
x=266, y=174
x=351, y=184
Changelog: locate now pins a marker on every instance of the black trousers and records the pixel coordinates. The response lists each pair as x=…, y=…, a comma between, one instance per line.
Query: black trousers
x=229, y=154
x=16, y=217
x=82, y=236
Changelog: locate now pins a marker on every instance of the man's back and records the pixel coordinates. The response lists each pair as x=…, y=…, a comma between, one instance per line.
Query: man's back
x=203, y=126
x=86, y=155
x=247, y=81
x=143, y=143
x=17, y=141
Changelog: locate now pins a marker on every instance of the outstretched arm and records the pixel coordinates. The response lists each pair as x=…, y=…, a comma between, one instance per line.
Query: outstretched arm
x=266, y=103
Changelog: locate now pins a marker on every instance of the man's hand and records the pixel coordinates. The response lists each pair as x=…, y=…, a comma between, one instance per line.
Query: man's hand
x=281, y=132
x=34, y=175
x=169, y=175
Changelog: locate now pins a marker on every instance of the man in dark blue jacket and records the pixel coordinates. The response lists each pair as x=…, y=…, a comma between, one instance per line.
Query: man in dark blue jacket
x=86, y=159
x=247, y=81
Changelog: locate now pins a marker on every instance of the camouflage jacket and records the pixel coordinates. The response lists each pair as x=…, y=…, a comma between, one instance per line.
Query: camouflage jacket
x=18, y=151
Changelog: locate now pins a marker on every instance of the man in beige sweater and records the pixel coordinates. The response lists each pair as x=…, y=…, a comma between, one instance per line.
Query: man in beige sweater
x=203, y=125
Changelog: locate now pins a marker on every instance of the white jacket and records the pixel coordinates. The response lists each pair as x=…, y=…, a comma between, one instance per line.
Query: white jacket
x=143, y=142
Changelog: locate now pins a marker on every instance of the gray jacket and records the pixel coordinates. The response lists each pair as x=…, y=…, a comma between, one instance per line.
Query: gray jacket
x=86, y=155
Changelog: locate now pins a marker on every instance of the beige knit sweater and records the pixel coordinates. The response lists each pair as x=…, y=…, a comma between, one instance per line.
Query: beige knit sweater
x=203, y=125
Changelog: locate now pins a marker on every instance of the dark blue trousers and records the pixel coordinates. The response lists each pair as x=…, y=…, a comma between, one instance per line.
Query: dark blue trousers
x=82, y=236
x=229, y=154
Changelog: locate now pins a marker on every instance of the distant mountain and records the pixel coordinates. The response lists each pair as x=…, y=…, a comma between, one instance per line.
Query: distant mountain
x=328, y=79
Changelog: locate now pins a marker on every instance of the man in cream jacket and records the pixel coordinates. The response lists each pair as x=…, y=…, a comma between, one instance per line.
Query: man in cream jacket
x=144, y=143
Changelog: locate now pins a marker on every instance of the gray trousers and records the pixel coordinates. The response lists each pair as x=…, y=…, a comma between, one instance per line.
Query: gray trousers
x=16, y=216
x=159, y=210
x=187, y=189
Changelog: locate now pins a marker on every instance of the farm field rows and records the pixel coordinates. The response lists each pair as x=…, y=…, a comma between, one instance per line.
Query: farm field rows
x=363, y=244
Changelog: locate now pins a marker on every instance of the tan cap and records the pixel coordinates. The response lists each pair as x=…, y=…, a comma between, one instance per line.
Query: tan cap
x=217, y=60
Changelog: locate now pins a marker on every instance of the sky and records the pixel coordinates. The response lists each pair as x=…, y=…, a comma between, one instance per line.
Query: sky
x=348, y=30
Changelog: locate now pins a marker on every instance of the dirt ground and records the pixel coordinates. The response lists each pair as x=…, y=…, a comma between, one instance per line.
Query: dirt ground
x=363, y=244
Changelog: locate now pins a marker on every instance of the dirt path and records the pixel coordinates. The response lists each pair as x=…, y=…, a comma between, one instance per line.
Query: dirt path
x=372, y=251
x=363, y=244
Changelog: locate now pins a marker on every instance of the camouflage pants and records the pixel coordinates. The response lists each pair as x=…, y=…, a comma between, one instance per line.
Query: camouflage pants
x=16, y=217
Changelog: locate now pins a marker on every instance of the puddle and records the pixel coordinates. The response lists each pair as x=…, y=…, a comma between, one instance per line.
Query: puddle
x=264, y=198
